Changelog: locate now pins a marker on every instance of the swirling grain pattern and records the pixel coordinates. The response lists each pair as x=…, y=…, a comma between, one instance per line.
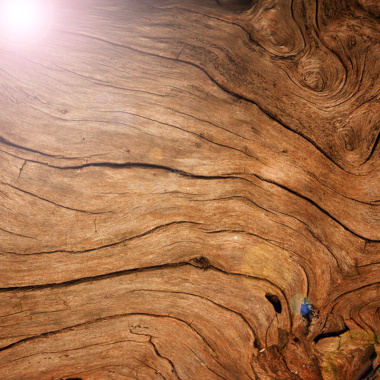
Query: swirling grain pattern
x=190, y=190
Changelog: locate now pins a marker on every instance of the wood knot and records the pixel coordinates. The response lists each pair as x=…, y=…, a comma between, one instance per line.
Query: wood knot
x=200, y=262
x=348, y=136
x=273, y=27
x=338, y=123
x=349, y=140
x=313, y=80
x=321, y=71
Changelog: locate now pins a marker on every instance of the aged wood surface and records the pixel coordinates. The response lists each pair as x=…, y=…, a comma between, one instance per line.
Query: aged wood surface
x=180, y=180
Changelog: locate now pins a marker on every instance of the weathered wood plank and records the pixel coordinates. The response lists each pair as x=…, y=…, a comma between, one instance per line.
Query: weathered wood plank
x=178, y=178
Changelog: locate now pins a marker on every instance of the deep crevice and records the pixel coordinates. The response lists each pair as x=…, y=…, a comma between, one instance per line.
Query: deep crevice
x=274, y=300
x=330, y=334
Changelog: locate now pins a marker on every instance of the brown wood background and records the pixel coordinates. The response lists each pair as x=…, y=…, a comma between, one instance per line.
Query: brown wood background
x=178, y=177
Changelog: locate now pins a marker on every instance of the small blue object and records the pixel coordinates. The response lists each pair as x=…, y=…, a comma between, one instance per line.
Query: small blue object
x=306, y=309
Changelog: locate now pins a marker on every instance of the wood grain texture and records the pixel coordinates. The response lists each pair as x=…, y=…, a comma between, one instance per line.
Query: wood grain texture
x=191, y=190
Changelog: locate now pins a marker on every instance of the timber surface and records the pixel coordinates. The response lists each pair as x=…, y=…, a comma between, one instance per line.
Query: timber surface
x=177, y=177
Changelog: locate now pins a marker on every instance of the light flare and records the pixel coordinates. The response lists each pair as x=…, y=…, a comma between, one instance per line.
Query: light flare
x=24, y=21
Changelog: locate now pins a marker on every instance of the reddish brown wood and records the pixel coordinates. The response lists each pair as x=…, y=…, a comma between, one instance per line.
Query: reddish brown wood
x=178, y=178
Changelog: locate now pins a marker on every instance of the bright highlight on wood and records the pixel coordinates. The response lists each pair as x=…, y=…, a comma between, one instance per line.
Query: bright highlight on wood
x=23, y=21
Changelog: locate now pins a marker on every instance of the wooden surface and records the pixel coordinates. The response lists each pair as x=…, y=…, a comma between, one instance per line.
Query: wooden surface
x=178, y=177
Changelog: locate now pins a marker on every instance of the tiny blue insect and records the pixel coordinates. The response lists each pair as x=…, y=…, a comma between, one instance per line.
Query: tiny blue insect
x=306, y=308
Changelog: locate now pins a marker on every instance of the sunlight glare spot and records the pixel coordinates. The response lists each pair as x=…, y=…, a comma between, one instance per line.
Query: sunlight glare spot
x=23, y=21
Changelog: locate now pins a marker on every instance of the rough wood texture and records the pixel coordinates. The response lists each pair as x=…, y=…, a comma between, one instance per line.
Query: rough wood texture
x=190, y=189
